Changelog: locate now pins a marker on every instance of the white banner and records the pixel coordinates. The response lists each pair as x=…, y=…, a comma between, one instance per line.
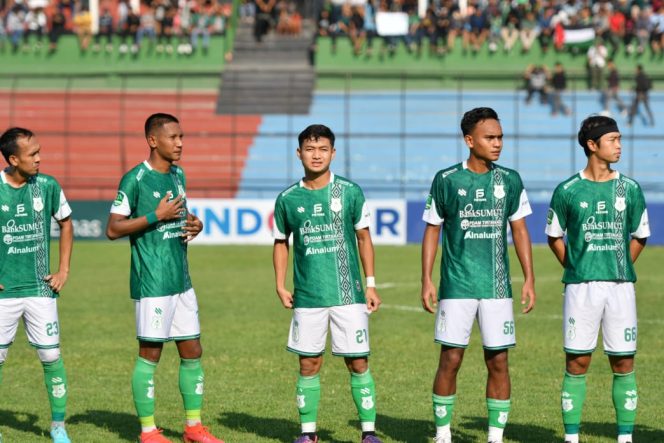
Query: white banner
x=390, y=24
x=230, y=221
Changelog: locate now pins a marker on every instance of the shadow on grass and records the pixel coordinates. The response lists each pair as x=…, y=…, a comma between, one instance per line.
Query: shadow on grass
x=515, y=431
x=124, y=425
x=274, y=428
x=412, y=430
x=21, y=421
x=641, y=433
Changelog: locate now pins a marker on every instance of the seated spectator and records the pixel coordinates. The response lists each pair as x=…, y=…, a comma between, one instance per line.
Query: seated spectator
x=477, y=29
x=35, y=25
x=642, y=28
x=83, y=28
x=247, y=11
x=15, y=25
x=105, y=31
x=528, y=32
x=147, y=28
x=289, y=21
x=356, y=29
x=265, y=18
x=510, y=30
x=166, y=29
x=201, y=25
x=545, y=24
x=657, y=32
x=132, y=23
x=57, y=29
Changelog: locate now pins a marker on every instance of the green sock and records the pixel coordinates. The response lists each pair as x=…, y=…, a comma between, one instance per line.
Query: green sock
x=191, y=387
x=308, y=396
x=142, y=387
x=363, y=390
x=443, y=407
x=499, y=410
x=624, y=401
x=55, y=378
x=572, y=397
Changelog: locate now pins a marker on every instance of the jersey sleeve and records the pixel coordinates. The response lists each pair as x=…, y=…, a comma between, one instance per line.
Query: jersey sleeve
x=519, y=206
x=556, y=219
x=125, y=202
x=61, y=208
x=433, y=213
x=280, y=229
x=361, y=216
x=639, y=224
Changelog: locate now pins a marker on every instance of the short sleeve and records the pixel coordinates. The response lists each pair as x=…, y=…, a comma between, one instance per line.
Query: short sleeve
x=361, y=215
x=519, y=206
x=125, y=201
x=433, y=213
x=639, y=224
x=556, y=219
x=61, y=208
x=280, y=227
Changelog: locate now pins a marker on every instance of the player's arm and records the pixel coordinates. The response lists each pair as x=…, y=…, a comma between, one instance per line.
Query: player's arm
x=429, y=250
x=524, y=252
x=120, y=225
x=557, y=245
x=366, y=250
x=57, y=281
x=636, y=245
x=280, y=262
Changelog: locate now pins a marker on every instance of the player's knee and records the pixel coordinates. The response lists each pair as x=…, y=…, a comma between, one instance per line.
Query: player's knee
x=48, y=355
x=3, y=354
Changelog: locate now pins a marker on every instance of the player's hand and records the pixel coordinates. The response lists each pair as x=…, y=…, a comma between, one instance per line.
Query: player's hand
x=373, y=300
x=429, y=297
x=192, y=227
x=528, y=296
x=169, y=210
x=57, y=281
x=286, y=297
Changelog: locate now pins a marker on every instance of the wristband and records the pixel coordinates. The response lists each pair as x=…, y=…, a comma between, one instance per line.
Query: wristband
x=151, y=217
x=371, y=282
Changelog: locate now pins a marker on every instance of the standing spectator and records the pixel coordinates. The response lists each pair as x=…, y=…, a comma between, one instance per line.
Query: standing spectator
x=105, y=31
x=15, y=26
x=613, y=91
x=642, y=87
x=559, y=84
x=57, y=29
x=536, y=77
x=596, y=62
x=148, y=27
x=370, y=30
x=83, y=28
x=265, y=11
x=35, y=24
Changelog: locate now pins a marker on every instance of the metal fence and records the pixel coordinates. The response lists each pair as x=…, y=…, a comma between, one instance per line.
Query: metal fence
x=394, y=131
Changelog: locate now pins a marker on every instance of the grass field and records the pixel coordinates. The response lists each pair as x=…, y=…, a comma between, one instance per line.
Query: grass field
x=250, y=377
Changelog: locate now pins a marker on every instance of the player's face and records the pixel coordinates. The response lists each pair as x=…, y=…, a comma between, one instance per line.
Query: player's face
x=486, y=140
x=609, y=147
x=26, y=160
x=167, y=141
x=316, y=155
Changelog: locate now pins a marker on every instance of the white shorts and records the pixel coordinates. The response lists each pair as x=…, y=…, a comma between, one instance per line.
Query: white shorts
x=172, y=317
x=611, y=304
x=455, y=317
x=40, y=317
x=348, y=324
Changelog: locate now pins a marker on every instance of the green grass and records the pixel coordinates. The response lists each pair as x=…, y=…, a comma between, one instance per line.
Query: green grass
x=250, y=377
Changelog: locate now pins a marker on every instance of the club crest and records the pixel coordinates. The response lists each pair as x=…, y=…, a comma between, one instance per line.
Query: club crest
x=335, y=204
x=499, y=191
x=37, y=204
x=620, y=204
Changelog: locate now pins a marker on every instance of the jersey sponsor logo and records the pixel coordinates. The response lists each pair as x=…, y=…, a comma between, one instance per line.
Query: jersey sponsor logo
x=594, y=236
x=470, y=235
x=37, y=204
x=479, y=195
x=156, y=194
x=318, y=210
x=446, y=173
x=170, y=235
x=462, y=192
x=308, y=228
x=162, y=227
x=469, y=212
x=5, y=208
x=12, y=228
x=584, y=205
x=592, y=225
x=427, y=205
x=20, y=210
x=118, y=199
x=601, y=208
x=620, y=204
x=24, y=250
x=602, y=248
x=335, y=204
x=324, y=250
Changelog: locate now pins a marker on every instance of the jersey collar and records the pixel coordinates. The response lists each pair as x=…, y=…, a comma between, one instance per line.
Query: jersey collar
x=3, y=176
x=583, y=177
x=331, y=180
x=147, y=165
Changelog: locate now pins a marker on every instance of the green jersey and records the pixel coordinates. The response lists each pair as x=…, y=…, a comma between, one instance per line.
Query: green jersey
x=475, y=209
x=158, y=254
x=25, y=217
x=323, y=224
x=599, y=219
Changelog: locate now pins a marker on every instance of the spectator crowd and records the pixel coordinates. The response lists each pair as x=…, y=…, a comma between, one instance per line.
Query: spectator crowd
x=633, y=26
x=164, y=26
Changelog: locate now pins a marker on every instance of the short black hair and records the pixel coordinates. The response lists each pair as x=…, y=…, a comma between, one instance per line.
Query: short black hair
x=314, y=132
x=589, y=126
x=158, y=120
x=9, y=140
x=474, y=116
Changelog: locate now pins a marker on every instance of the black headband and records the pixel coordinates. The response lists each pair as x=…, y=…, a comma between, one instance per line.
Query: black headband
x=596, y=133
